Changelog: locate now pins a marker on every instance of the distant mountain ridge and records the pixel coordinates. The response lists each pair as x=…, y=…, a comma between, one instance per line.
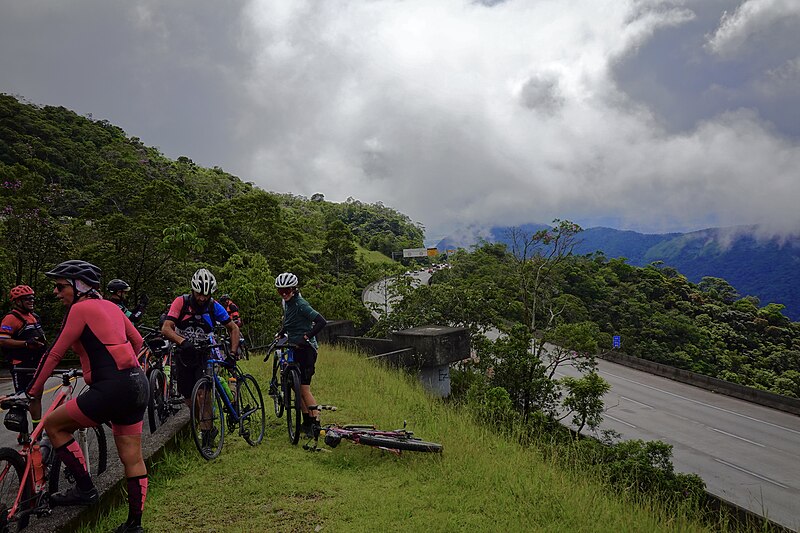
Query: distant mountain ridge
x=768, y=268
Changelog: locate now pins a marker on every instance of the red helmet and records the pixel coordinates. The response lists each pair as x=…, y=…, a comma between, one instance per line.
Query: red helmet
x=21, y=290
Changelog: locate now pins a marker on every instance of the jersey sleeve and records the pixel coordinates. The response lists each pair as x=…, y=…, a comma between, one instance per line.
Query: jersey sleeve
x=175, y=309
x=69, y=334
x=220, y=314
x=307, y=311
x=9, y=327
x=133, y=335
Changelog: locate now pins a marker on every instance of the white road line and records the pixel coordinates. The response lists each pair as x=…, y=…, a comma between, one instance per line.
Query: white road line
x=634, y=401
x=620, y=421
x=737, y=437
x=768, y=480
x=705, y=404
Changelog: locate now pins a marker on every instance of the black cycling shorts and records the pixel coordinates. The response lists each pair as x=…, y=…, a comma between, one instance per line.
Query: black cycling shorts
x=187, y=376
x=306, y=358
x=121, y=401
x=22, y=379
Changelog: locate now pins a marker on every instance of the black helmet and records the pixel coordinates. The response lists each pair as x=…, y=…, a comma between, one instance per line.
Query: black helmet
x=117, y=285
x=224, y=298
x=16, y=419
x=77, y=269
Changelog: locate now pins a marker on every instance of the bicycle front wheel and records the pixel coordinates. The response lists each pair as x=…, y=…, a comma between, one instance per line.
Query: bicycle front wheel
x=207, y=418
x=291, y=396
x=158, y=408
x=12, y=467
x=94, y=447
x=409, y=444
x=251, y=409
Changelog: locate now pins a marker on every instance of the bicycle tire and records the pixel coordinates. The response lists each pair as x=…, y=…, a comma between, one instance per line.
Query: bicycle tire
x=409, y=444
x=208, y=444
x=158, y=407
x=12, y=468
x=276, y=386
x=97, y=460
x=291, y=395
x=250, y=404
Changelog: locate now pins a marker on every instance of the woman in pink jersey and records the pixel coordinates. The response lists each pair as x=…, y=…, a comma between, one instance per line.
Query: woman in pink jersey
x=106, y=343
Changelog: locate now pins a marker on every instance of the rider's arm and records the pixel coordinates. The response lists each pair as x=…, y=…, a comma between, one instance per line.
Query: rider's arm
x=173, y=316
x=68, y=336
x=221, y=316
x=10, y=326
x=233, y=331
x=319, y=323
x=133, y=336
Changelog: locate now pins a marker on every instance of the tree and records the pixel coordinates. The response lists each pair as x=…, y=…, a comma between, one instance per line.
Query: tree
x=339, y=250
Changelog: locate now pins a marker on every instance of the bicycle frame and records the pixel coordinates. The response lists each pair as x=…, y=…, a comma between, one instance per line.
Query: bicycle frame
x=65, y=393
x=232, y=368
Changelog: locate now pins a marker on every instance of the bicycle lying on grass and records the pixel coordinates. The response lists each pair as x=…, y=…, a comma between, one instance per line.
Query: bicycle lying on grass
x=28, y=477
x=212, y=398
x=395, y=441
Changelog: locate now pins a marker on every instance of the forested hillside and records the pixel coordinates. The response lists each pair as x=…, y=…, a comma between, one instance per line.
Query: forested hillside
x=659, y=314
x=73, y=187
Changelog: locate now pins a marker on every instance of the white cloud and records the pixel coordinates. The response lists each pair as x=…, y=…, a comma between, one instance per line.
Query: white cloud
x=753, y=20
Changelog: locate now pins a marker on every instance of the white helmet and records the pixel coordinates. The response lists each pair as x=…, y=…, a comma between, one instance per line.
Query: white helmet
x=286, y=280
x=204, y=282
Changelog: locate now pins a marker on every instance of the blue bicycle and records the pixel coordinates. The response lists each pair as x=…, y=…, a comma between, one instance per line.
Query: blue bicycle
x=284, y=388
x=224, y=398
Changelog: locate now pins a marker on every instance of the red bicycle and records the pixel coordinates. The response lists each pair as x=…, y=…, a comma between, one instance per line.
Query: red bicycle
x=30, y=475
x=395, y=441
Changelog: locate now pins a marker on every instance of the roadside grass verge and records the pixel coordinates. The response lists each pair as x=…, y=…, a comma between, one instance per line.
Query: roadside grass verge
x=481, y=482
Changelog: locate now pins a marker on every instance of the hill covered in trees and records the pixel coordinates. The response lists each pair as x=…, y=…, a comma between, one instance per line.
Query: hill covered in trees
x=764, y=267
x=75, y=187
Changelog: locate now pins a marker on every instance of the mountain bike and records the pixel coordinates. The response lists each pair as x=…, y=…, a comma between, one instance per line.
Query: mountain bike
x=395, y=441
x=212, y=398
x=29, y=476
x=284, y=387
x=155, y=358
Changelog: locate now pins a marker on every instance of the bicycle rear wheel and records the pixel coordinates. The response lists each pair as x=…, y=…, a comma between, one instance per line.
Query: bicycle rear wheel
x=158, y=407
x=207, y=418
x=251, y=409
x=12, y=467
x=291, y=395
x=399, y=443
x=96, y=458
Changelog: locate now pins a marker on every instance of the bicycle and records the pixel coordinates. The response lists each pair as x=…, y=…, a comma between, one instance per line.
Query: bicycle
x=284, y=387
x=155, y=358
x=29, y=476
x=212, y=398
x=395, y=441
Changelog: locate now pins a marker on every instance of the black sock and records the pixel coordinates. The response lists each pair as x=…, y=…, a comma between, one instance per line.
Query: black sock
x=137, y=493
x=72, y=457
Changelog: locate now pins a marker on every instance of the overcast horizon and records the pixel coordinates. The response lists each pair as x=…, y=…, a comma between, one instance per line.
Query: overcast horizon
x=649, y=115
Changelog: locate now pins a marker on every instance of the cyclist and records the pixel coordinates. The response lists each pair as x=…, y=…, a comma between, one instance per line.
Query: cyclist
x=23, y=342
x=232, y=309
x=107, y=344
x=190, y=319
x=301, y=323
x=118, y=292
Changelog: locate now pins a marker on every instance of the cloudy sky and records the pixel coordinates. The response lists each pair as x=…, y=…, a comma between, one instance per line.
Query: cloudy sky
x=651, y=115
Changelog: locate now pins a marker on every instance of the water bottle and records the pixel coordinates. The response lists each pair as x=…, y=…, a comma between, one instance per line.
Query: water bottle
x=38, y=469
x=46, y=447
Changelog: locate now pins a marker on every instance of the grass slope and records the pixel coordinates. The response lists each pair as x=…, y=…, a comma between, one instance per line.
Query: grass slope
x=481, y=482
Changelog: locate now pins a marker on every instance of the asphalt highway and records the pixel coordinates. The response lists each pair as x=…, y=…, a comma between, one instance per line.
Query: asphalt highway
x=746, y=453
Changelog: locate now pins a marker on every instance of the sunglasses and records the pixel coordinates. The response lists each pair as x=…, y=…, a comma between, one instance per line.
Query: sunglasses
x=61, y=286
x=284, y=292
x=28, y=298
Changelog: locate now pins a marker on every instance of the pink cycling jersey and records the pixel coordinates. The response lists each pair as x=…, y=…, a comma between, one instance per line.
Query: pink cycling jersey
x=101, y=335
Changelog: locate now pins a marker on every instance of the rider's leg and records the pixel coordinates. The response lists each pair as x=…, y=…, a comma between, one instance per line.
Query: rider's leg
x=307, y=398
x=60, y=425
x=129, y=447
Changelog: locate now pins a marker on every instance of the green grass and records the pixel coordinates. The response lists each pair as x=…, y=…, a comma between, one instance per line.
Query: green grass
x=371, y=256
x=482, y=482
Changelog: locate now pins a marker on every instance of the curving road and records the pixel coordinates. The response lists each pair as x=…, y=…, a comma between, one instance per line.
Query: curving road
x=746, y=453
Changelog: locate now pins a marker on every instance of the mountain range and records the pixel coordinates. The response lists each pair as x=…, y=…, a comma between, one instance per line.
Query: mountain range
x=767, y=267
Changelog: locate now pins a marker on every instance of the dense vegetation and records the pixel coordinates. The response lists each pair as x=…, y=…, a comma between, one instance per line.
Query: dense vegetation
x=659, y=315
x=73, y=187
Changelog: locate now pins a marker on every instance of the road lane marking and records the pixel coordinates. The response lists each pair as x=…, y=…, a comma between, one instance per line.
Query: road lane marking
x=705, y=404
x=737, y=437
x=634, y=401
x=618, y=420
x=768, y=480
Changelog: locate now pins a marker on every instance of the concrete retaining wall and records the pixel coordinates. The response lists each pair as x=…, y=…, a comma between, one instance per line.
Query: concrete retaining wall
x=768, y=399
